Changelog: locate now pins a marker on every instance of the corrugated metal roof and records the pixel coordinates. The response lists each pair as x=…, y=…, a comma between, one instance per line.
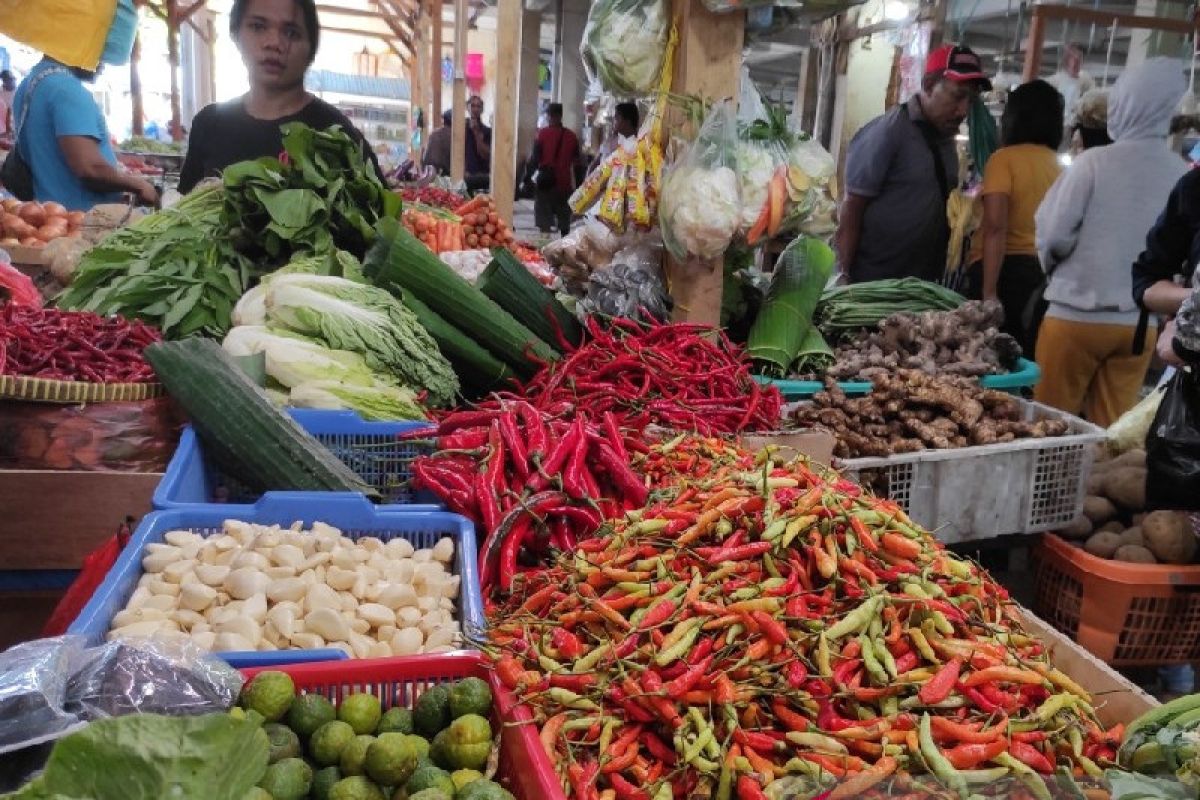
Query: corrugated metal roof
x=321, y=80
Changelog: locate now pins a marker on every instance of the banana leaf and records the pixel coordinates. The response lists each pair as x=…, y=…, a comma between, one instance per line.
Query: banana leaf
x=786, y=318
x=815, y=354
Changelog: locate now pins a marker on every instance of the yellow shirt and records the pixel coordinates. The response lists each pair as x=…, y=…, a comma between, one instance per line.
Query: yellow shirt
x=1025, y=173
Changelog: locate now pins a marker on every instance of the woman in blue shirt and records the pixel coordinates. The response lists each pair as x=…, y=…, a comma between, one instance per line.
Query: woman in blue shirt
x=63, y=136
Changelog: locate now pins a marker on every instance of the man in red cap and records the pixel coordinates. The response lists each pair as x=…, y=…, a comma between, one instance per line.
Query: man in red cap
x=900, y=168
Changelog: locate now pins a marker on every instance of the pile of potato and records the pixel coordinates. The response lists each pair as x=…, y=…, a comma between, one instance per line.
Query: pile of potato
x=256, y=587
x=1115, y=525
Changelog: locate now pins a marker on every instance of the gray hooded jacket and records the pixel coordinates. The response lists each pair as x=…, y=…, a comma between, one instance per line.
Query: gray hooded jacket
x=1093, y=222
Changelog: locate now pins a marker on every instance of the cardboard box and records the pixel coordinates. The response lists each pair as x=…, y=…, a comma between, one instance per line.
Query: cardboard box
x=1115, y=697
x=816, y=444
x=52, y=519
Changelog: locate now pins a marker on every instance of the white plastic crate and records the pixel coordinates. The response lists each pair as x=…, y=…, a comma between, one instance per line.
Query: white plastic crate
x=1026, y=486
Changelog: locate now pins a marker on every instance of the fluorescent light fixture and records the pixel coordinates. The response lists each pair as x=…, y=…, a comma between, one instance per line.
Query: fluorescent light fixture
x=897, y=10
x=1064, y=159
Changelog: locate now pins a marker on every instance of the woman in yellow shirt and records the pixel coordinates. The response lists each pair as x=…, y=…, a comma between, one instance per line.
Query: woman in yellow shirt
x=1005, y=263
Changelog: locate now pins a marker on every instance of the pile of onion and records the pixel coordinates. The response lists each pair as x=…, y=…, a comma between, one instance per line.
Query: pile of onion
x=32, y=224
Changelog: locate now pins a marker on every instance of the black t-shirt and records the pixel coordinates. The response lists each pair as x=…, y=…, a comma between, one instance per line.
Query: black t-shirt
x=224, y=134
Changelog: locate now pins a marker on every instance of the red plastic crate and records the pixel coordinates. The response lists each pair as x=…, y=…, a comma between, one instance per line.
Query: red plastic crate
x=525, y=769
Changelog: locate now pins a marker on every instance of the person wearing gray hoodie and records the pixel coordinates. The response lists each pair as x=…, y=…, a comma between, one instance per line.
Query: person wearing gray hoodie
x=1090, y=228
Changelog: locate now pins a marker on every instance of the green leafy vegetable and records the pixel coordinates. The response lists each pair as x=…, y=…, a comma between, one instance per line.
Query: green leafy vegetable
x=376, y=402
x=149, y=756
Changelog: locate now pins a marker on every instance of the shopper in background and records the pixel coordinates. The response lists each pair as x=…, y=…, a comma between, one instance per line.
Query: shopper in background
x=1089, y=230
x=8, y=92
x=555, y=154
x=1168, y=263
x=626, y=119
x=1090, y=128
x=61, y=132
x=438, y=148
x=478, y=145
x=1004, y=257
x=278, y=41
x=900, y=168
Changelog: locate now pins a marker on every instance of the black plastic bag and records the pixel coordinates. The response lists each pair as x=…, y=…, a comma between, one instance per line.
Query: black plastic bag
x=1173, y=447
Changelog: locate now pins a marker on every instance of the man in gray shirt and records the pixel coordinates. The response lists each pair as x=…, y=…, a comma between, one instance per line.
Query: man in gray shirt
x=900, y=168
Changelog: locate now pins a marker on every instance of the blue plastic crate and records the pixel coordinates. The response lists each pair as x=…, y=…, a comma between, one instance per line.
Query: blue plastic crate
x=1026, y=375
x=354, y=515
x=371, y=449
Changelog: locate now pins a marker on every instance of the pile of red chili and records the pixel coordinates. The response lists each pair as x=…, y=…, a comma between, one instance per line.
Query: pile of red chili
x=770, y=624
x=530, y=481
x=74, y=346
x=681, y=376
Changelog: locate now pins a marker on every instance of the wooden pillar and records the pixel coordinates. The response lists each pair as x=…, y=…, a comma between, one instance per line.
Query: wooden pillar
x=710, y=52
x=419, y=71
x=458, y=131
x=504, y=130
x=1033, y=47
x=135, y=87
x=807, y=89
x=173, y=23
x=435, y=63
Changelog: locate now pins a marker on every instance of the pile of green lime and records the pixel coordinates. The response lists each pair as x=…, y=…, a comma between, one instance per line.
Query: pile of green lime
x=438, y=750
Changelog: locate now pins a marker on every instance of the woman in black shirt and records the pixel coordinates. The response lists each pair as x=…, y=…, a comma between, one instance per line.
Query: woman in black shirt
x=278, y=42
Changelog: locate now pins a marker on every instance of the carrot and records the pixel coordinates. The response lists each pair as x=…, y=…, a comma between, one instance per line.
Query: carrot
x=478, y=201
x=776, y=194
x=760, y=226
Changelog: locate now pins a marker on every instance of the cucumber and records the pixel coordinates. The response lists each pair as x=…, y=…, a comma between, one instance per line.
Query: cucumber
x=247, y=437
x=1163, y=714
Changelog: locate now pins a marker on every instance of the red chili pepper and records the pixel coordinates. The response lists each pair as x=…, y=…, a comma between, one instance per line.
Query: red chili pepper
x=748, y=788
x=576, y=683
x=971, y=755
x=689, y=678
x=626, y=790
x=657, y=749
x=1031, y=756
x=583, y=779
x=566, y=643
x=938, y=688
x=740, y=553
x=980, y=702
x=658, y=613
x=796, y=674
x=775, y=632
x=906, y=662
x=760, y=742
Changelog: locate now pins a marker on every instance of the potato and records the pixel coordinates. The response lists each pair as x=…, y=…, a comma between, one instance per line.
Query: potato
x=1116, y=526
x=1134, y=554
x=1098, y=509
x=1169, y=537
x=1126, y=486
x=1095, y=483
x=1079, y=528
x=1103, y=544
x=1133, y=536
x=1132, y=458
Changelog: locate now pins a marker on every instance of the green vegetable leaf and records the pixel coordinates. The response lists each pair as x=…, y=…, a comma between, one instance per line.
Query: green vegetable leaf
x=148, y=756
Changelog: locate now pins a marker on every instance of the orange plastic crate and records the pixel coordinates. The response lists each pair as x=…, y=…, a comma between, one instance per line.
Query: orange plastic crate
x=525, y=769
x=1126, y=614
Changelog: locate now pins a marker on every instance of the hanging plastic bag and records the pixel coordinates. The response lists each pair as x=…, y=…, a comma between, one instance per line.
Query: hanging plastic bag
x=700, y=207
x=729, y=6
x=70, y=31
x=625, y=44
x=96, y=565
x=1173, y=447
x=16, y=287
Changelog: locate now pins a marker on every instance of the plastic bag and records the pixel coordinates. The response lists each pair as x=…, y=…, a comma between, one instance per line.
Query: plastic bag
x=150, y=676
x=625, y=43
x=123, y=437
x=700, y=208
x=33, y=691
x=95, y=568
x=15, y=286
x=1129, y=432
x=1173, y=447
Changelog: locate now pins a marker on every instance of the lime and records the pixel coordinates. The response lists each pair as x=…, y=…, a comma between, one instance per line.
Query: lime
x=431, y=713
x=462, y=777
x=355, y=787
x=354, y=757
x=395, y=720
x=323, y=781
x=327, y=744
x=289, y=779
x=468, y=742
x=309, y=712
x=270, y=693
x=420, y=745
x=470, y=696
x=391, y=759
x=431, y=794
x=362, y=711
x=483, y=789
x=257, y=793
x=438, y=753
x=284, y=743
x=430, y=777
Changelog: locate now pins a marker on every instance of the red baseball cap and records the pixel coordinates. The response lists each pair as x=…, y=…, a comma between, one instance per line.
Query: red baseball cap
x=959, y=64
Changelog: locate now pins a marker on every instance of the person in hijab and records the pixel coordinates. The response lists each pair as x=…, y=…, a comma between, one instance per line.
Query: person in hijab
x=61, y=132
x=1090, y=229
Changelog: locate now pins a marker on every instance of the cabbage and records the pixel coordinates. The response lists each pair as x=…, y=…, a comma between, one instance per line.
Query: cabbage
x=624, y=43
x=371, y=402
x=292, y=360
x=366, y=320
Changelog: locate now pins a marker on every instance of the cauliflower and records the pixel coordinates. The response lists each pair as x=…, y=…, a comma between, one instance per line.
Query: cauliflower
x=699, y=211
x=755, y=168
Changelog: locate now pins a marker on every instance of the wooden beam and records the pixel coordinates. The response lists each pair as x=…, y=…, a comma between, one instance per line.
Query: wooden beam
x=185, y=13
x=401, y=24
x=710, y=52
x=1033, y=49
x=135, y=87
x=173, y=24
x=420, y=67
x=349, y=12
x=435, y=66
x=504, y=130
x=458, y=131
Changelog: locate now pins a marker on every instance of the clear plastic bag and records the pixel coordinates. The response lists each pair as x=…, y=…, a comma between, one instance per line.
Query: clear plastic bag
x=729, y=6
x=150, y=676
x=700, y=207
x=33, y=691
x=625, y=44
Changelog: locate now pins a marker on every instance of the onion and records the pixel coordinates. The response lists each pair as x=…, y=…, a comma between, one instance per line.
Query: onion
x=33, y=213
x=8, y=241
x=23, y=230
x=53, y=209
x=10, y=222
x=32, y=241
x=52, y=230
x=75, y=219
x=10, y=205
